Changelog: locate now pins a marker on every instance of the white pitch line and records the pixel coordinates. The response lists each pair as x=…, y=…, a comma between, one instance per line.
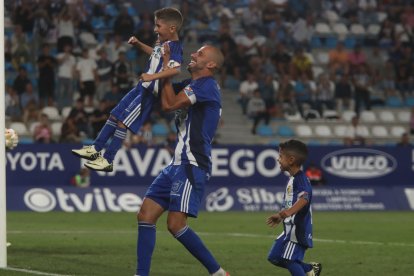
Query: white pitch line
x=32, y=271
x=246, y=235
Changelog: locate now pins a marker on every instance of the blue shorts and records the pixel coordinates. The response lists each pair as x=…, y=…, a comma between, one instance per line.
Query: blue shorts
x=284, y=249
x=179, y=188
x=135, y=108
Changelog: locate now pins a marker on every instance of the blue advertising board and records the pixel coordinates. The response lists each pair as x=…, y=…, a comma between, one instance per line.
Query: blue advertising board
x=243, y=178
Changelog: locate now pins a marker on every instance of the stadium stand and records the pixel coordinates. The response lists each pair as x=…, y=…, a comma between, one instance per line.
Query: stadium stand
x=327, y=23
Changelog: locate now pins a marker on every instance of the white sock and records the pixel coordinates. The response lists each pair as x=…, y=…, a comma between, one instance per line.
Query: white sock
x=219, y=272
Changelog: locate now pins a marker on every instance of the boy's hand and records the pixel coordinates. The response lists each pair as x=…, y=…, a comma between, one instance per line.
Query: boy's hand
x=133, y=40
x=146, y=77
x=274, y=220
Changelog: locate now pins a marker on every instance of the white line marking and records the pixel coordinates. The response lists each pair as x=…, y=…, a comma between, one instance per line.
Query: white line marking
x=245, y=235
x=31, y=271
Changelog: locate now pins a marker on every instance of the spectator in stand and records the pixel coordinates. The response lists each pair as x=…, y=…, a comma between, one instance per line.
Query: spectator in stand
x=338, y=60
x=281, y=59
x=86, y=71
x=302, y=31
x=70, y=132
x=42, y=133
x=386, y=35
x=315, y=175
x=301, y=64
x=144, y=136
x=251, y=42
x=12, y=104
x=356, y=58
x=122, y=71
x=29, y=101
x=256, y=110
x=356, y=134
x=80, y=116
x=268, y=91
x=66, y=77
x=104, y=70
x=404, y=141
x=325, y=94
x=304, y=90
x=46, y=68
x=124, y=24
x=81, y=179
x=114, y=45
x=362, y=84
x=65, y=29
x=343, y=93
x=20, y=47
x=246, y=89
x=286, y=94
x=98, y=117
x=23, y=15
x=113, y=96
x=251, y=15
x=21, y=80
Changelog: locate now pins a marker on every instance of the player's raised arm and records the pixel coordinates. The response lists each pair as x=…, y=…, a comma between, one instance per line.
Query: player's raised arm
x=170, y=69
x=140, y=45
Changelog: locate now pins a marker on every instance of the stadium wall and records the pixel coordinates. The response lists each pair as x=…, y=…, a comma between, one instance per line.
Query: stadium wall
x=243, y=178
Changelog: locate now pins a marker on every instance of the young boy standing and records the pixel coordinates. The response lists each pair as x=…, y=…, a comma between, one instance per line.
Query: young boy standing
x=289, y=248
x=135, y=108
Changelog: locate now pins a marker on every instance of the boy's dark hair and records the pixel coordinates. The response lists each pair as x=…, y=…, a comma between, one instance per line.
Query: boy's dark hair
x=170, y=15
x=296, y=148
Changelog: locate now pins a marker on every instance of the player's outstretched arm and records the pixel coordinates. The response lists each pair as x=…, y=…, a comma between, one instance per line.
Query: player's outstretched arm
x=142, y=46
x=167, y=73
x=171, y=101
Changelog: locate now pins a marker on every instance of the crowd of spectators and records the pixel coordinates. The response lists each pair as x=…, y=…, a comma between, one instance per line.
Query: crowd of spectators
x=74, y=53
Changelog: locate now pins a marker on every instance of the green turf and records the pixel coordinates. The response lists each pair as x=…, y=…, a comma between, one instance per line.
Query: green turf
x=104, y=244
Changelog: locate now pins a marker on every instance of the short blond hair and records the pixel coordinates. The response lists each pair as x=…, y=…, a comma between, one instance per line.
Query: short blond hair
x=170, y=15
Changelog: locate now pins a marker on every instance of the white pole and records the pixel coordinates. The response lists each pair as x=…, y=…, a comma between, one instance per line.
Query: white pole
x=3, y=240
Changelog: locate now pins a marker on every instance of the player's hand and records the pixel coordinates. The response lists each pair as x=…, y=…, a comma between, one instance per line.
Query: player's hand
x=274, y=220
x=146, y=77
x=166, y=54
x=133, y=40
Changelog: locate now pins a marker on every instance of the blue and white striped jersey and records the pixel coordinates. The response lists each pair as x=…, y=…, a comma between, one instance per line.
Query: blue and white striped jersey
x=298, y=228
x=154, y=64
x=197, y=124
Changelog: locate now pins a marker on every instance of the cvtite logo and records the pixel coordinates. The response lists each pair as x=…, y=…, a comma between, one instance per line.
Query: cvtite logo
x=359, y=163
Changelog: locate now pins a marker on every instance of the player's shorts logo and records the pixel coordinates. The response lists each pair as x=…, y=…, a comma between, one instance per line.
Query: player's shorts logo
x=176, y=186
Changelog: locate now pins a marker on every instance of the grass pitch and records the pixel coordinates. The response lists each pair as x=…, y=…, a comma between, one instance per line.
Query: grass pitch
x=346, y=243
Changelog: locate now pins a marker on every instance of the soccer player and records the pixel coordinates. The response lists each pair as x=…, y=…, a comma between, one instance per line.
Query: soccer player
x=135, y=108
x=179, y=187
x=289, y=248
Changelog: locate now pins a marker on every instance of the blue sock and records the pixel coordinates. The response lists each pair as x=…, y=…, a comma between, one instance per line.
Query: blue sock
x=115, y=144
x=106, y=132
x=295, y=268
x=145, y=247
x=195, y=246
x=306, y=267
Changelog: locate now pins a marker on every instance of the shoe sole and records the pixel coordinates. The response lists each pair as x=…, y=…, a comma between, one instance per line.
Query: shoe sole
x=106, y=169
x=92, y=157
